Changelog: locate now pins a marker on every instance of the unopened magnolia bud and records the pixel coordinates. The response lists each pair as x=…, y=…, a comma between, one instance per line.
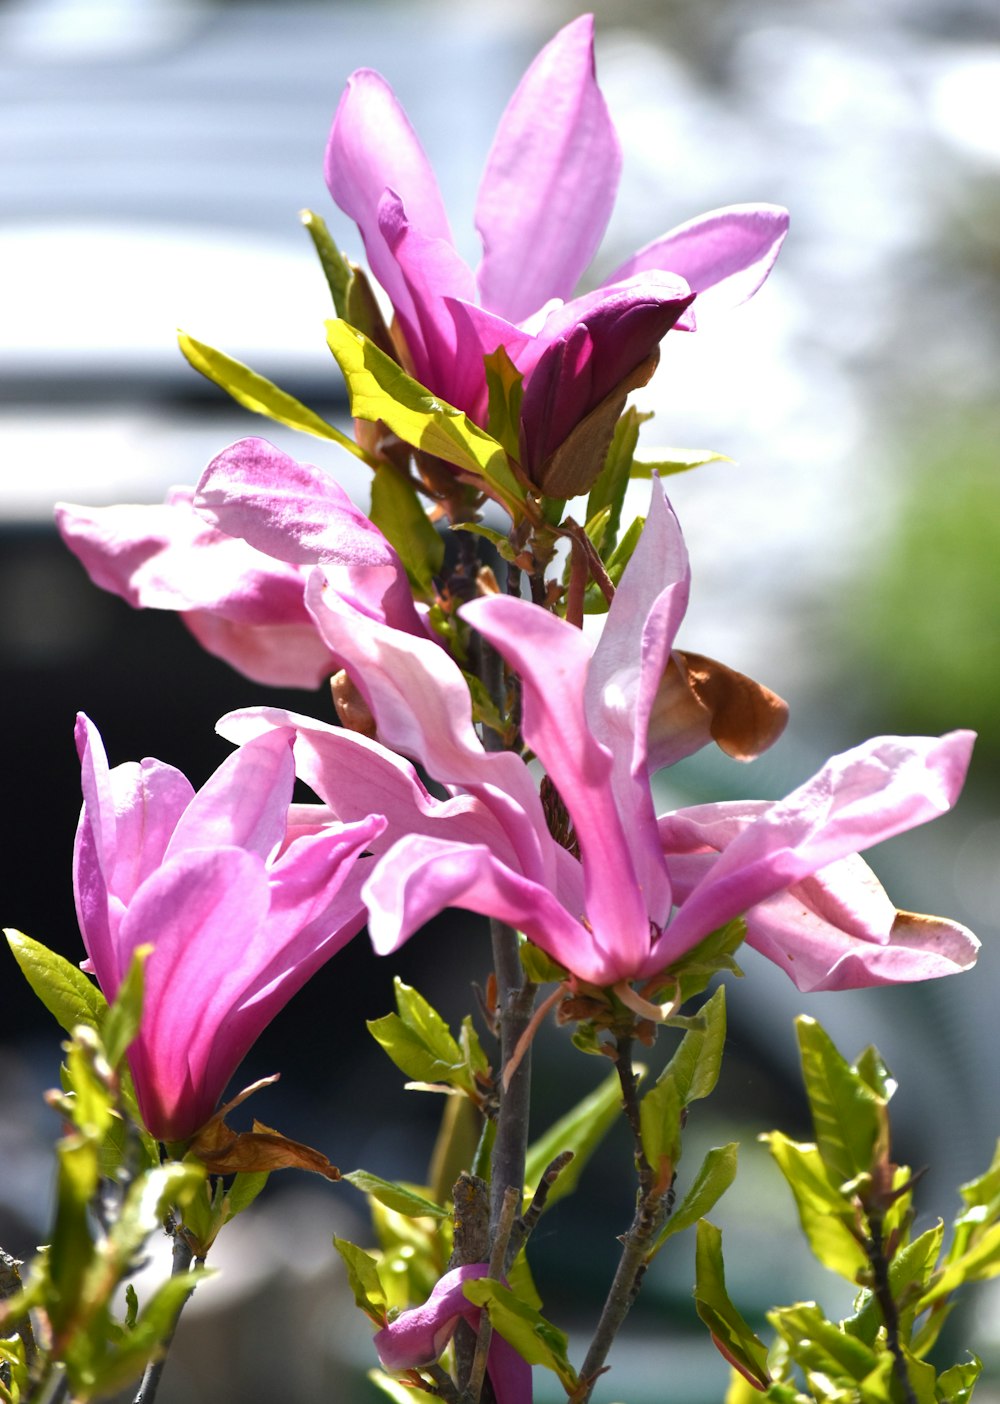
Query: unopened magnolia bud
x=352, y=709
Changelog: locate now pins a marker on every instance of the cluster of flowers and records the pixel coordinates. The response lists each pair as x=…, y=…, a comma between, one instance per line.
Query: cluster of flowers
x=275, y=570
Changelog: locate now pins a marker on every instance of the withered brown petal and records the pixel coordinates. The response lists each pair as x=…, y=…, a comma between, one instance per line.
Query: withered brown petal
x=351, y=707
x=745, y=718
x=225, y=1152
x=576, y=464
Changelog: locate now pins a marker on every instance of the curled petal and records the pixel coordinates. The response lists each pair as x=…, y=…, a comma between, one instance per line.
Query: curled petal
x=699, y=700
x=726, y=253
x=418, y=1337
x=373, y=148
x=550, y=180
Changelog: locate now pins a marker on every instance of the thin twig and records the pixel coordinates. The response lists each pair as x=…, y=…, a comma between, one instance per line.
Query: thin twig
x=533, y=1213
x=875, y=1249
x=650, y=1211
x=446, y=1388
x=485, y=1332
x=150, y=1383
x=515, y=997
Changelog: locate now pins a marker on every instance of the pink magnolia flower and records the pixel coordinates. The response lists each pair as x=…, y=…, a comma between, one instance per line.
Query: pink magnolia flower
x=544, y=202
x=633, y=901
x=240, y=905
x=240, y=590
x=419, y=1336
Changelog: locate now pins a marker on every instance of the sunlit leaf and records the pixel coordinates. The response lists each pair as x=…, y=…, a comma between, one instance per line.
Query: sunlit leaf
x=69, y=995
x=825, y=1214
x=715, y=1174
x=363, y=1277
x=730, y=1333
x=532, y=1336
x=394, y=1196
x=696, y=1064
x=399, y=514
x=849, y=1119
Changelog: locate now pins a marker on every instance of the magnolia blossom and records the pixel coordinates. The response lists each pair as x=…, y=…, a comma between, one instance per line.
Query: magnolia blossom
x=240, y=903
x=601, y=719
x=241, y=592
x=419, y=1336
x=544, y=202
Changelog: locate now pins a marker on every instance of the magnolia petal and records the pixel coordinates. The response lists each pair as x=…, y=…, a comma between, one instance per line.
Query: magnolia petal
x=867, y=794
x=726, y=253
x=418, y=1337
x=700, y=700
x=551, y=658
x=288, y=510
x=433, y=272
x=373, y=147
x=422, y=708
x=244, y=803
x=356, y=776
x=204, y=912
x=550, y=180
x=819, y=955
x=276, y=655
x=166, y=556
x=419, y=877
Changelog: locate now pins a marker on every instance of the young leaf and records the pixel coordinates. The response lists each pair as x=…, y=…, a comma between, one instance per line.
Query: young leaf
x=825, y=1214
x=336, y=268
x=819, y=1346
x=909, y=1272
x=379, y=389
x=393, y=1196
x=362, y=1274
x=955, y=1386
x=145, y=1340
x=730, y=1333
x=581, y=1131
x=245, y=1188
x=255, y=393
x=660, y=1126
x=499, y=540
x=678, y=460
x=695, y=1065
x=716, y=1174
x=849, y=1118
x=504, y=385
x=397, y=511
x=121, y=1023
x=532, y=1336
x=69, y=995
x=608, y=491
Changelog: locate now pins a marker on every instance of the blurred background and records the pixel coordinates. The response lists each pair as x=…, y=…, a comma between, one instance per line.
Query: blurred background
x=153, y=157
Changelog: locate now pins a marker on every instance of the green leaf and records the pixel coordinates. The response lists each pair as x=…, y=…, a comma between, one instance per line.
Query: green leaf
x=421, y=1016
x=379, y=389
x=678, y=460
x=695, y=1065
x=245, y=1188
x=955, y=1386
x=362, y=1275
x=660, y=1127
x=874, y=1072
x=825, y=1214
x=255, y=393
x=336, y=268
x=69, y=995
x=539, y=967
x=171, y=1185
x=716, y=1174
x=849, y=1118
x=400, y=1393
x=581, y=1131
x=399, y=514
x=711, y=956
x=145, y=1340
x=608, y=492
x=499, y=540
x=979, y=1262
x=819, y=1346
x=504, y=385
x=534, y=1338
x=594, y=601
x=72, y=1248
x=730, y=1333
x=909, y=1272
x=121, y=1023
x=394, y=1196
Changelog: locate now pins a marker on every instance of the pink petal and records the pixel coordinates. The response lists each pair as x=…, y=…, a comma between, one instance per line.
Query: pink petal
x=357, y=777
x=421, y=705
x=859, y=798
x=244, y=803
x=205, y=914
x=550, y=180
x=420, y=877
x=432, y=272
x=277, y=655
x=552, y=658
x=418, y=1337
x=624, y=677
x=288, y=510
x=726, y=253
x=372, y=148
